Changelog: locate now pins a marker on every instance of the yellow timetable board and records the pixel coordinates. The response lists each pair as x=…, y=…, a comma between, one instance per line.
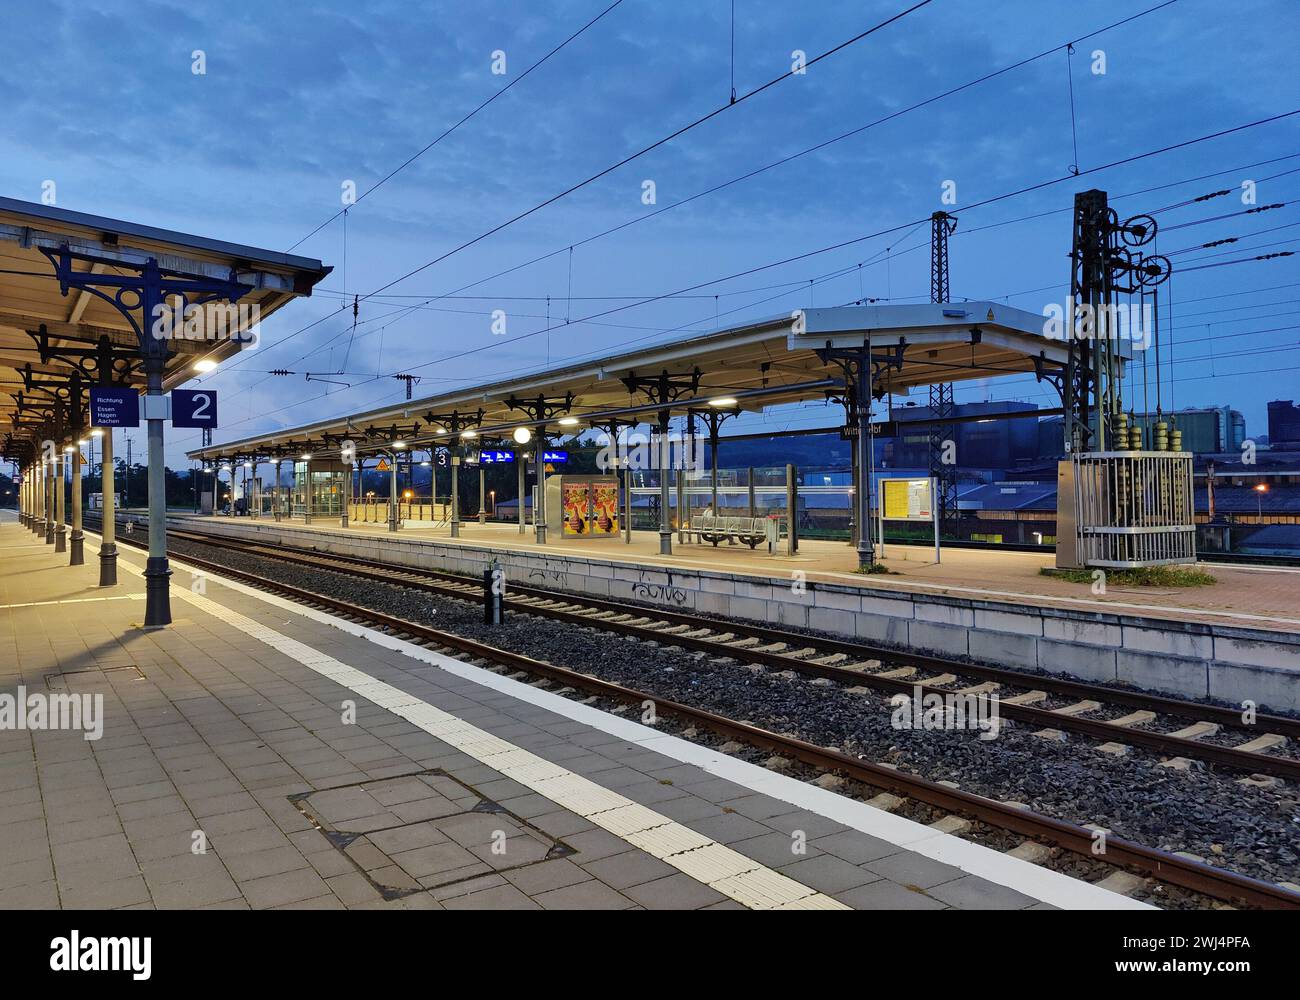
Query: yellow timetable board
x=906, y=499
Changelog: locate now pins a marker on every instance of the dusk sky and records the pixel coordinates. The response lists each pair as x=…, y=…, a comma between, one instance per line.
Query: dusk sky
x=298, y=99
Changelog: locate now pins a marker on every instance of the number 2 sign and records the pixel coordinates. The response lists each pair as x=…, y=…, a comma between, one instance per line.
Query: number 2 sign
x=194, y=408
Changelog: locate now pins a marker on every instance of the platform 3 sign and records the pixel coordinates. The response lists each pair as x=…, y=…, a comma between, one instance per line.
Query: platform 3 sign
x=114, y=407
x=194, y=408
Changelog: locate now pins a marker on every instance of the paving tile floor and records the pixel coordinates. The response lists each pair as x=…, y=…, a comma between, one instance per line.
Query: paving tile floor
x=227, y=776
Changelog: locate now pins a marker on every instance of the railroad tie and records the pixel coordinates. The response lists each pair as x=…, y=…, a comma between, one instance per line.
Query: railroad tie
x=1028, y=698
x=1133, y=718
x=1260, y=781
x=898, y=673
x=954, y=825
x=1078, y=708
x=1261, y=743
x=988, y=687
x=1196, y=731
x=1122, y=882
x=1031, y=851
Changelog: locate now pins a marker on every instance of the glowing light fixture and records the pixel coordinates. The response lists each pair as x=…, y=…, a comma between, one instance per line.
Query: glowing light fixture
x=469, y=434
x=97, y=432
x=568, y=421
x=522, y=435
x=205, y=365
x=399, y=445
x=723, y=401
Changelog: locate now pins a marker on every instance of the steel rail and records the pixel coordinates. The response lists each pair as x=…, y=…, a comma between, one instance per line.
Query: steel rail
x=1248, y=761
x=1163, y=865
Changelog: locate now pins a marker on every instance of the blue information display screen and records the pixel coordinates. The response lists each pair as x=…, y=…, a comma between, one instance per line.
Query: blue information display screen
x=555, y=457
x=114, y=407
x=495, y=457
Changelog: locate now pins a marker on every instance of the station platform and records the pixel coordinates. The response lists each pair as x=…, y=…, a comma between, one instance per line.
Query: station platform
x=227, y=775
x=1254, y=597
x=1235, y=641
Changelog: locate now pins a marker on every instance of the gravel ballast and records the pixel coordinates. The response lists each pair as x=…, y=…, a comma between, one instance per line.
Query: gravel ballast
x=1203, y=811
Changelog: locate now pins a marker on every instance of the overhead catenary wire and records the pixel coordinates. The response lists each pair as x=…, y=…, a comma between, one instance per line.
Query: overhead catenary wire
x=777, y=163
x=748, y=95
x=888, y=231
x=448, y=131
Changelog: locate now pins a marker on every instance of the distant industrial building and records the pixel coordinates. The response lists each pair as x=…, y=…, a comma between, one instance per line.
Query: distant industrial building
x=1206, y=429
x=1283, y=424
x=997, y=442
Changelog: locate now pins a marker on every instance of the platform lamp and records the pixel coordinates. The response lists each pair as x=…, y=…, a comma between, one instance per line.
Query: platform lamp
x=394, y=449
x=1260, y=490
x=522, y=436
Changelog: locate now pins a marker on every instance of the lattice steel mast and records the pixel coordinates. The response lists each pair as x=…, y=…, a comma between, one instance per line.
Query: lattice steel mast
x=941, y=401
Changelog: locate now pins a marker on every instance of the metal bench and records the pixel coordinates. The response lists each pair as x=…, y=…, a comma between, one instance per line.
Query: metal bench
x=750, y=530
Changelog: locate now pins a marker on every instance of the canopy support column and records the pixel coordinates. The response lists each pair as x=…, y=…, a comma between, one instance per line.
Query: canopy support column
x=108, y=534
x=455, y=496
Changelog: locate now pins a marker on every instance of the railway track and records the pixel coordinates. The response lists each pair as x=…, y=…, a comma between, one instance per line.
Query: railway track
x=1163, y=866
x=876, y=668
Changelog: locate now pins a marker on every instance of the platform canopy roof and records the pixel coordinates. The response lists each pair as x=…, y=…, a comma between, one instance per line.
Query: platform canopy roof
x=32, y=298
x=757, y=365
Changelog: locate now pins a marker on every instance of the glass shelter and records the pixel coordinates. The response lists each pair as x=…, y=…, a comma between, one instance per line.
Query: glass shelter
x=318, y=488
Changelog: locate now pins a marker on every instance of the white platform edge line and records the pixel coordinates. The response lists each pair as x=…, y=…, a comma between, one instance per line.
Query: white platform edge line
x=938, y=588
x=740, y=877
x=1030, y=879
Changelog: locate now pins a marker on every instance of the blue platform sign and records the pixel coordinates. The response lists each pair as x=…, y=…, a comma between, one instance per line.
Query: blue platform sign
x=194, y=408
x=495, y=457
x=555, y=457
x=114, y=407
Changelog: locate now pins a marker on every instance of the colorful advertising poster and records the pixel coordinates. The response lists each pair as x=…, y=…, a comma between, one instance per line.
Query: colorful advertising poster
x=576, y=502
x=605, y=515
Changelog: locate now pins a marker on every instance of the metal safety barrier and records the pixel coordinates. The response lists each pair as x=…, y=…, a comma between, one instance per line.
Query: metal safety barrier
x=1134, y=508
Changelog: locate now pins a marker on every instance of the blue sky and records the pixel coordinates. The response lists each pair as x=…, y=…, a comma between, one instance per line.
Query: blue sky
x=299, y=98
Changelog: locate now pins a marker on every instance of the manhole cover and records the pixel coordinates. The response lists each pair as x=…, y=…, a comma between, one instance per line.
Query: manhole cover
x=421, y=831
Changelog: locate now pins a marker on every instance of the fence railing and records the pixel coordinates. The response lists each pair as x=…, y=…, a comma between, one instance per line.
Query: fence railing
x=1134, y=508
x=437, y=510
